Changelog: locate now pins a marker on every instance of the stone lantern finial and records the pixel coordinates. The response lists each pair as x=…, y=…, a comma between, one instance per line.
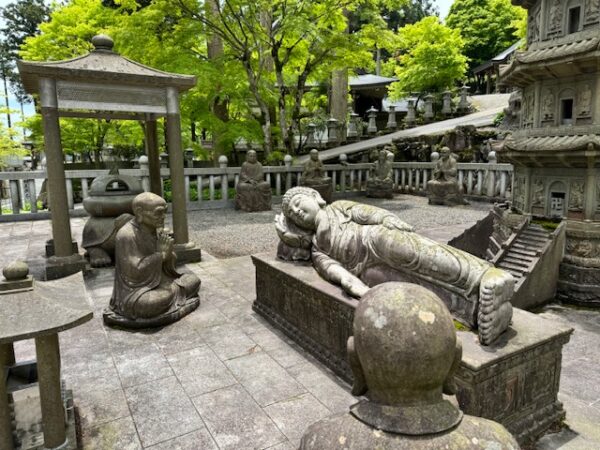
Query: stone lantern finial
x=103, y=42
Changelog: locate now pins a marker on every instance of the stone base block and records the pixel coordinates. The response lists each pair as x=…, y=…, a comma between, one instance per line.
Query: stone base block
x=50, y=248
x=188, y=253
x=379, y=193
x=24, y=400
x=60, y=267
x=326, y=190
x=513, y=381
x=111, y=318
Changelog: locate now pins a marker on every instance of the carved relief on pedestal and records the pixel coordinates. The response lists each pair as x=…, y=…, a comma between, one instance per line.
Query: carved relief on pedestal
x=548, y=102
x=538, y=192
x=576, y=196
x=598, y=195
x=584, y=101
x=519, y=193
x=528, y=109
x=533, y=27
x=592, y=11
x=555, y=17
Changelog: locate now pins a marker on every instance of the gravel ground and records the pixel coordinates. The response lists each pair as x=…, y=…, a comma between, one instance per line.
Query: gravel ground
x=227, y=233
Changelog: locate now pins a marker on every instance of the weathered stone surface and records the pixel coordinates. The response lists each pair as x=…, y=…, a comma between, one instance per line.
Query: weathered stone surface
x=359, y=246
x=381, y=179
x=504, y=382
x=315, y=176
x=404, y=353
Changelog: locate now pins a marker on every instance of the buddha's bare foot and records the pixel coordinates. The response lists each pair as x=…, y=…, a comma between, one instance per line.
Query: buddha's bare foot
x=495, y=310
x=99, y=257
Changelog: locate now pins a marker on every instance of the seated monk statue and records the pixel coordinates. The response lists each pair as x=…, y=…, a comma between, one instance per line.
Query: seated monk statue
x=443, y=189
x=314, y=176
x=252, y=192
x=148, y=291
x=357, y=246
x=404, y=353
x=381, y=183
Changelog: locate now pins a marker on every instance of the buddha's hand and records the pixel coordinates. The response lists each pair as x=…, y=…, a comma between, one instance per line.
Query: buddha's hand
x=353, y=286
x=291, y=239
x=394, y=223
x=165, y=244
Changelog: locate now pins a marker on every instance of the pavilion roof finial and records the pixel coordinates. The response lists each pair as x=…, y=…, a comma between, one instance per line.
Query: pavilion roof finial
x=103, y=43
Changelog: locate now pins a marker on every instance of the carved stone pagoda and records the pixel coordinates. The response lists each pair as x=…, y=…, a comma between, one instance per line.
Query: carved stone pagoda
x=556, y=150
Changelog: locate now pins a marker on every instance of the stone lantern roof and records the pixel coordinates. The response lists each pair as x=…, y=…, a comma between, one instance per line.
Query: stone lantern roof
x=102, y=64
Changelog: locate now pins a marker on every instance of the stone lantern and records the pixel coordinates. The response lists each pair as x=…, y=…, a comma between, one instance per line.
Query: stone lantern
x=332, y=132
x=447, y=104
x=352, y=133
x=463, y=103
x=428, y=115
x=372, y=127
x=391, y=123
x=310, y=135
x=411, y=115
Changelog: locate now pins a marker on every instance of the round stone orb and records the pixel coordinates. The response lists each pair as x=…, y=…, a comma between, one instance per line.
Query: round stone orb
x=17, y=270
x=102, y=42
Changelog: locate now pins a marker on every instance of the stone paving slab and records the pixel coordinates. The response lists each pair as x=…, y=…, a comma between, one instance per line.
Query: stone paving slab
x=223, y=378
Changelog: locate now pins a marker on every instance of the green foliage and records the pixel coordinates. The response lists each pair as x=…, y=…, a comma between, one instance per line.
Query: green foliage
x=9, y=144
x=429, y=58
x=488, y=27
x=498, y=119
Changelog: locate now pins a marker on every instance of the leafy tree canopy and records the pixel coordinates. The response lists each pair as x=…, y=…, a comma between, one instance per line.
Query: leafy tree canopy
x=429, y=58
x=488, y=27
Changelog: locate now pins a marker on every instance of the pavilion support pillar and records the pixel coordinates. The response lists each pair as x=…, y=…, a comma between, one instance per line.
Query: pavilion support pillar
x=153, y=157
x=65, y=261
x=186, y=251
x=589, y=208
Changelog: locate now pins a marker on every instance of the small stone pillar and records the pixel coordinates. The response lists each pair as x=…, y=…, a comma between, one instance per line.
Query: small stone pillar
x=144, y=167
x=310, y=135
x=332, y=132
x=392, y=125
x=287, y=161
x=463, y=103
x=411, y=116
x=189, y=157
x=428, y=115
x=447, y=104
x=372, y=127
x=224, y=180
x=492, y=158
x=352, y=133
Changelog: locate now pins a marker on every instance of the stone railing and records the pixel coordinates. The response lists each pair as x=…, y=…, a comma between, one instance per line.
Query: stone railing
x=485, y=181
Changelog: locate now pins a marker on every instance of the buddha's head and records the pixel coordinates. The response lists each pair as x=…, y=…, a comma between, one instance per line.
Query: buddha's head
x=383, y=155
x=301, y=205
x=444, y=153
x=404, y=351
x=150, y=210
x=251, y=156
x=314, y=154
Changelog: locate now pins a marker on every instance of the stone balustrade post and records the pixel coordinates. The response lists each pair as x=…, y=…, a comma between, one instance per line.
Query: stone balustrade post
x=310, y=135
x=145, y=170
x=189, y=157
x=224, y=180
x=287, y=161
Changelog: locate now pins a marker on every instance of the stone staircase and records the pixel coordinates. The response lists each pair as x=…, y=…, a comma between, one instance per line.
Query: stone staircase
x=523, y=252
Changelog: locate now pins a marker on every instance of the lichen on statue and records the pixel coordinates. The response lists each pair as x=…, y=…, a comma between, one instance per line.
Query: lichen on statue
x=148, y=290
x=444, y=189
x=357, y=246
x=381, y=183
x=314, y=176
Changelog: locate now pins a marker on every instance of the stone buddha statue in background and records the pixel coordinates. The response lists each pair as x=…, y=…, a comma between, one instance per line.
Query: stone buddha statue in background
x=148, y=291
x=252, y=192
x=314, y=176
x=444, y=189
x=381, y=176
x=403, y=354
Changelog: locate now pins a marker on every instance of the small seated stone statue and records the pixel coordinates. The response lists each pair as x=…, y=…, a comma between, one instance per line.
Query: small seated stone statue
x=109, y=207
x=381, y=183
x=314, y=176
x=357, y=246
x=403, y=356
x=444, y=189
x=148, y=291
x=252, y=192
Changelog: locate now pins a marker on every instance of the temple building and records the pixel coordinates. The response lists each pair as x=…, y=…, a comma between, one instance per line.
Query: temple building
x=556, y=150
